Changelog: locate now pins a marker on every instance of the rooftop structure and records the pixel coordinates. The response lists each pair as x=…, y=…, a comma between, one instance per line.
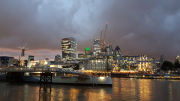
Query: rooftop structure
x=6, y=61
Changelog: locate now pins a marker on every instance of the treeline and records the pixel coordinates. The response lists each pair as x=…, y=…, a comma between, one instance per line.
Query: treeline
x=167, y=65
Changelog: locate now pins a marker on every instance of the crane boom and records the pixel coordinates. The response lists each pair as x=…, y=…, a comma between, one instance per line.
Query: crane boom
x=101, y=33
x=105, y=32
x=103, y=40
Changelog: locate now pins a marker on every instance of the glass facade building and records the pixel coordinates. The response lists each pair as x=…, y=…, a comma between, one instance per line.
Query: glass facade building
x=57, y=58
x=69, y=48
x=6, y=61
x=96, y=46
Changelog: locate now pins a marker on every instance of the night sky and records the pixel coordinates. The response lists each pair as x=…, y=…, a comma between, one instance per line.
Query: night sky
x=139, y=27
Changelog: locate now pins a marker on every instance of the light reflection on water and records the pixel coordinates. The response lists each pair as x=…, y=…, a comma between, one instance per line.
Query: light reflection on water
x=122, y=89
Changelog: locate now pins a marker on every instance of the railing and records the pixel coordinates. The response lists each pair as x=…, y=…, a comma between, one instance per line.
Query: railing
x=40, y=70
x=28, y=69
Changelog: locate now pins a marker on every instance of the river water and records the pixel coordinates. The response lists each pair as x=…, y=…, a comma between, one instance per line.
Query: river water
x=122, y=90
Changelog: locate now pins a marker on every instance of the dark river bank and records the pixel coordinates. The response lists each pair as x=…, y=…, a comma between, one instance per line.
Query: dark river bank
x=123, y=89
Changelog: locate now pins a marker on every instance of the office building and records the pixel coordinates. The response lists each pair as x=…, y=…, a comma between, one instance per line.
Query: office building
x=6, y=61
x=128, y=62
x=96, y=46
x=162, y=59
x=87, y=50
x=57, y=58
x=80, y=56
x=105, y=63
x=145, y=63
x=117, y=51
x=108, y=49
x=69, y=48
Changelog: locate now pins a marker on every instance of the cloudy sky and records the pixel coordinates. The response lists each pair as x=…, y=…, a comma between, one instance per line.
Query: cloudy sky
x=139, y=27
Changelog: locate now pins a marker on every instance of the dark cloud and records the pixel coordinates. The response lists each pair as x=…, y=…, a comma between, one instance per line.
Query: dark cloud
x=138, y=27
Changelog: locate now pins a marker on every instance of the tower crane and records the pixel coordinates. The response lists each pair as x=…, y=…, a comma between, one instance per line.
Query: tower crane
x=103, y=39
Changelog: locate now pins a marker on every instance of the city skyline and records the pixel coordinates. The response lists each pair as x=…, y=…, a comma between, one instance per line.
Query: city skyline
x=137, y=27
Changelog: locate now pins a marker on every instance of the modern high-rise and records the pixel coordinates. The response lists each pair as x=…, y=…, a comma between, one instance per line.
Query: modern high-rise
x=117, y=51
x=96, y=46
x=69, y=48
x=87, y=50
x=162, y=59
x=6, y=61
x=108, y=49
x=57, y=58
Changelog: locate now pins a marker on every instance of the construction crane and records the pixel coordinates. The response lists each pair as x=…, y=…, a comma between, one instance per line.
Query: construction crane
x=103, y=39
x=101, y=34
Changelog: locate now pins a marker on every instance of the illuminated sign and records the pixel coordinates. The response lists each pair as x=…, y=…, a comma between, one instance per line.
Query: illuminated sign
x=87, y=48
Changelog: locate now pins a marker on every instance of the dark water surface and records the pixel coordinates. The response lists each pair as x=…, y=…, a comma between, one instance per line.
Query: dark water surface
x=122, y=90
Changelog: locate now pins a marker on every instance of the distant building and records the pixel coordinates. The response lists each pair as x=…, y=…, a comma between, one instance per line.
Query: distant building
x=57, y=58
x=69, y=48
x=157, y=65
x=98, y=64
x=117, y=51
x=162, y=59
x=30, y=59
x=96, y=46
x=80, y=56
x=87, y=50
x=178, y=59
x=16, y=62
x=6, y=61
x=128, y=62
x=108, y=49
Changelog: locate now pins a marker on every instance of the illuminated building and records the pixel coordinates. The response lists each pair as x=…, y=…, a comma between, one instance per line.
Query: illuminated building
x=87, y=50
x=103, y=63
x=6, y=61
x=178, y=59
x=108, y=49
x=128, y=62
x=57, y=58
x=157, y=62
x=84, y=56
x=96, y=46
x=117, y=51
x=30, y=58
x=145, y=63
x=69, y=48
x=80, y=56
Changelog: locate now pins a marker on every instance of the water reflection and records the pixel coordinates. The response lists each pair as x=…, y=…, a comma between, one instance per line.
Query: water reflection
x=122, y=89
x=145, y=90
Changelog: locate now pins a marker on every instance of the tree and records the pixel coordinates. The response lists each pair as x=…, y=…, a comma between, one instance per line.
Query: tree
x=76, y=67
x=167, y=65
x=176, y=64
